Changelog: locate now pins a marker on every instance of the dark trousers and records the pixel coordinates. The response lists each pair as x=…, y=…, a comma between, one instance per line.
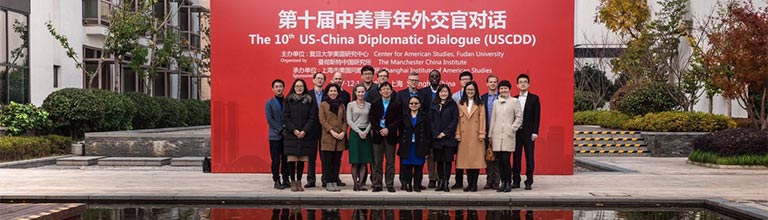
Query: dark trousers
x=312, y=165
x=472, y=176
x=505, y=169
x=525, y=144
x=380, y=152
x=459, y=176
x=331, y=166
x=431, y=168
x=444, y=170
x=412, y=174
x=279, y=161
x=491, y=172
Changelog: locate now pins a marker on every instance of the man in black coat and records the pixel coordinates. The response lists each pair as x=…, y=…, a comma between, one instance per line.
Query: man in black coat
x=429, y=93
x=527, y=134
x=386, y=118
x=317, y=95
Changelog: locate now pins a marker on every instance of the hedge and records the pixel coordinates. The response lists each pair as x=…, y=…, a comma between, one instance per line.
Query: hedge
x=734, y=142
x=172, y=113
x=20, y=119
x=605, y=119
x=714, y=158
x=674, y=121
x=76, y=111
x=28, y=147
x=678, y=121
x=582, y=101
x=147, y=110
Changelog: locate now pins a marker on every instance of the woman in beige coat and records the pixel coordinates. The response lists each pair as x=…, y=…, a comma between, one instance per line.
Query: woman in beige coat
x=333, y=142
x=506, y=118
x=470, y=132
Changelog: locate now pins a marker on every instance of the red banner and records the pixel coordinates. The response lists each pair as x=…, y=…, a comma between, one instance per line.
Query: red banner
x=254, y=42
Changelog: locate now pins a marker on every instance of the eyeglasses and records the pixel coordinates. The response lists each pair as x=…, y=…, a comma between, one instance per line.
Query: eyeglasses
x=413, y=103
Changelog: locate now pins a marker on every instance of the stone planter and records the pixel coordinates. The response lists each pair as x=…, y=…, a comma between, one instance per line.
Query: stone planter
x=671, y=144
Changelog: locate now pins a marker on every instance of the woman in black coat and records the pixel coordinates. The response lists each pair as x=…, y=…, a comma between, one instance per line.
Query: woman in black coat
x=444, y=115
x=415, y=144
x=299, y=115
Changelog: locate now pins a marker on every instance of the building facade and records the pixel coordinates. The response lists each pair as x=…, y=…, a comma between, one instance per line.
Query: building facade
x=33, y=64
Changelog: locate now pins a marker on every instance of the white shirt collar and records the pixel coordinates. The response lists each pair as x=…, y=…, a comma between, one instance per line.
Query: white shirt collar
x=525, y=94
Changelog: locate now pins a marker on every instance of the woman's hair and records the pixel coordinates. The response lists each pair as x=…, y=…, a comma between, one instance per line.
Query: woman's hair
x=440, y=88
x=464, y=98
x=293, y=87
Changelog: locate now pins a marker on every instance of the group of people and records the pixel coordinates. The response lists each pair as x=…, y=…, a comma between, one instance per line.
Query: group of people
x=431, y=126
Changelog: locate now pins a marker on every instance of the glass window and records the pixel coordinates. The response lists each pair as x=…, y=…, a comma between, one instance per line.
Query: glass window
x=159, y=84
x=18, y=39
x=129, y=80
x=3, y=32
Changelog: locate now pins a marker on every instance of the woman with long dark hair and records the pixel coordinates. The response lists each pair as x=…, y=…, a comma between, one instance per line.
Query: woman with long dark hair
x=444, y=115
x=299, y=115
x=470, y=132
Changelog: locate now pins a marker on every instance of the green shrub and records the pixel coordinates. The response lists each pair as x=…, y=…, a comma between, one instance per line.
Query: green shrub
x=714, y=158
x=173, y=113
x=76, y=111
x=21, y=118
x=605, y=119
x=582, y=101
x=677, y=121
x=643, y=98
x=27, y=147
x=198, y=112
x=147, y=111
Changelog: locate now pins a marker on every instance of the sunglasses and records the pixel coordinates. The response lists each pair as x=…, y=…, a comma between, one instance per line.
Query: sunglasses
x=413, y=103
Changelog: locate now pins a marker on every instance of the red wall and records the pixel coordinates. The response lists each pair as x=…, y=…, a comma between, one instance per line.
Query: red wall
x=242, y=70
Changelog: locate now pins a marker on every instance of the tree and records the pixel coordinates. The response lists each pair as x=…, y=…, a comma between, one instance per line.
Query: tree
x=738, y=61
x=656, y=49
x=589, y=78
x=134, y=22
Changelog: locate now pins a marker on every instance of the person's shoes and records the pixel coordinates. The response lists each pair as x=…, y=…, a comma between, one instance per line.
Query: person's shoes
x=515, y=185
x=495, y=185
x=418, y=188
x=445, y=186
x=301, y=188
x=376, y=189
x=310, y=185
x=335, y=187
x=439, y=186
x=286, y=184
x=501, y=187
x=341, y=183
x=408, y=188
x=474, y=188
x=362, y=188
x=403, y=186
x=294, y=187
x=391, y=189
x=329, y=187
x=528, y=186
x=488, y=186
x=457, y=186
x=432, y=184
x=356, y=187
x=278, y=185
x=508, y=188
x=467, y=189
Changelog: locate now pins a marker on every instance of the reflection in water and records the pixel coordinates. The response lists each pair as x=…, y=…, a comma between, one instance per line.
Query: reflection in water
x=368, y=213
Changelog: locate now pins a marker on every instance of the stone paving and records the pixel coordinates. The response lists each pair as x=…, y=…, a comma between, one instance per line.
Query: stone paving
x=655, y=179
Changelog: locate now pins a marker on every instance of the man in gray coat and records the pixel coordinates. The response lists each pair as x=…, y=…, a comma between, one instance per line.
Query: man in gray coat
x=274, y=112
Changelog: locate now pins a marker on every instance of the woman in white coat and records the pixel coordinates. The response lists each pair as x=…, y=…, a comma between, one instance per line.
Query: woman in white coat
x=506, y=118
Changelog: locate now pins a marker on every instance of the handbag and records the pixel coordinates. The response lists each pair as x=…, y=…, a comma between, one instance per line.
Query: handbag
x=489, y=154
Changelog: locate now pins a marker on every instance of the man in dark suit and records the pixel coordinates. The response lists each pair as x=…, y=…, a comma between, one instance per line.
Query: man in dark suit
x=317, y=97
x=343, y=95
x=528, y=132
x=430, y=92
x=492, y=170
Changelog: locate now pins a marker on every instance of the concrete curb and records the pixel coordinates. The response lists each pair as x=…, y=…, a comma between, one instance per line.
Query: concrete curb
x=33, y=162
x=595, y=165
x=732, y=167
